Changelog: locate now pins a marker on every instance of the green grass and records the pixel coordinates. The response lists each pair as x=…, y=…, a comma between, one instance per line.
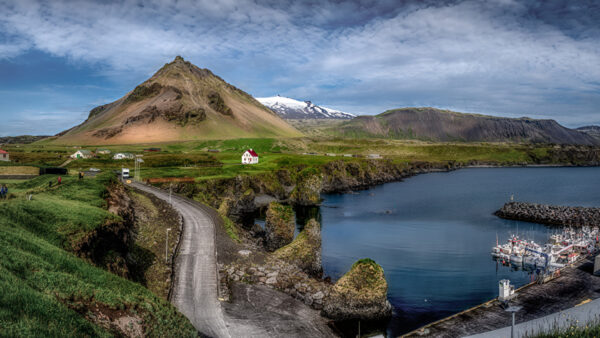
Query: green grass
x=46, y=289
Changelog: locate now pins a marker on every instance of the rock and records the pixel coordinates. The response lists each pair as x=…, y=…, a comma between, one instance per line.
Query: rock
x=271, y=280
x=305, y=250
x=318, y=296
x=360, y=294
x=308, y=188
x=279, y=226
x=244, y=253
x=262, y=279
x=273, y=274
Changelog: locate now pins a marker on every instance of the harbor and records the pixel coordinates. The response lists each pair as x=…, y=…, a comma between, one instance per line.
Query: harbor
x=563, y=273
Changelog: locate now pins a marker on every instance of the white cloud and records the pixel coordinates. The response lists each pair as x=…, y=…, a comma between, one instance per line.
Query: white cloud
x=363, y=56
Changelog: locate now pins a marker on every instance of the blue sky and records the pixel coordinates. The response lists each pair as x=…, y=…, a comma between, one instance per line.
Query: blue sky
x=59, y=59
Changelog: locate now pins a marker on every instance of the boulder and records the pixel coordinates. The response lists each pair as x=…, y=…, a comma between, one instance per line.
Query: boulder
x=305, y=250
x=360, y=294
x=279, y=226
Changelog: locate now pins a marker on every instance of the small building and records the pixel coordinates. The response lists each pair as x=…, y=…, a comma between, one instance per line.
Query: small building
x=123, y=156
x=373, y=156
x=347, y=155
x=82, y=153
x=4, y=156
x=505, y=290
x=102, y=151
x=249, y=157
x=331, y=154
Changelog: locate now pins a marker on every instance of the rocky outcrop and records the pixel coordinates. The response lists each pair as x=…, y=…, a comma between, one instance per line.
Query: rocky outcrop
x=280, y=275
x=550, y=214
x=279, y=226
x=360, y=294
x=305, y=250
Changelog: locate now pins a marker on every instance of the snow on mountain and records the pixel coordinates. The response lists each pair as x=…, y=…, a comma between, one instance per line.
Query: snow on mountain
x=294, y=109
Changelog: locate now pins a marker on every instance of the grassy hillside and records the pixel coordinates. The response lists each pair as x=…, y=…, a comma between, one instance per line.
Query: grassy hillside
x=47, y=290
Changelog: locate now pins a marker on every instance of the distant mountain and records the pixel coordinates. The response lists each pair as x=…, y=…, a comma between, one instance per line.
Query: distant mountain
x=294, y=109
x=23, y=139
x=444, y=125
x=179, y=102
x=593, y=131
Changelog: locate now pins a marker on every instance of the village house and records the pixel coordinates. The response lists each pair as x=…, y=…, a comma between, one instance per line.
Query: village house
x=123, y=156
x=249, y=157
x=82, y=153
x=4, y=156
x=102, y=151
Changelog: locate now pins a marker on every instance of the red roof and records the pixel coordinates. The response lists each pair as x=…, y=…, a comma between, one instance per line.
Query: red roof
x=252, y=152
x=3, y=152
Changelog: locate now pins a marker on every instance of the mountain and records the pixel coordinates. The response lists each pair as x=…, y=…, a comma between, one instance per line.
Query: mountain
x=444, y=125
x=294, y=109
x=22, y=139
x=179, y=102
x=593, y=131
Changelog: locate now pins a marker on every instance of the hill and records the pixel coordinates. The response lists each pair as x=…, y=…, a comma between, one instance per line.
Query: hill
x=444, y=125
x=593, y=131
x=23, y=139
x=179, y=102
x=293, y=109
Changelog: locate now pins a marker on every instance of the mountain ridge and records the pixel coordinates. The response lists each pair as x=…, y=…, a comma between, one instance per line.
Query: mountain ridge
x=433, y=124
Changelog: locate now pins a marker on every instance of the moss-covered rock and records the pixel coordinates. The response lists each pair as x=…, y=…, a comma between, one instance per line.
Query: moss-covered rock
x=308, y=187
x=360, y=294
x=305, y=250
x=279, y=226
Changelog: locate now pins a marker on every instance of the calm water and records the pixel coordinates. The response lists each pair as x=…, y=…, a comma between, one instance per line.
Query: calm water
x=433, y=233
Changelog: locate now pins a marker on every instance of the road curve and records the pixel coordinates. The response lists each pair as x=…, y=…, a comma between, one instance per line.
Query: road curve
x=195, y=290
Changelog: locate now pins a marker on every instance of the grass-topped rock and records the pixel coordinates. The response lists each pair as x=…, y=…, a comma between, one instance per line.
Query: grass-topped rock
x=360, y=294
x=279, y=226
x=305, y=250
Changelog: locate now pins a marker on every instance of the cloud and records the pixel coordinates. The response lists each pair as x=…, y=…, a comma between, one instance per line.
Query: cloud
x=499, y=57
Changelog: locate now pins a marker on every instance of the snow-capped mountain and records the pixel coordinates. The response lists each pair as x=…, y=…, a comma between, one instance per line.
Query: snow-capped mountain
x=294, y=109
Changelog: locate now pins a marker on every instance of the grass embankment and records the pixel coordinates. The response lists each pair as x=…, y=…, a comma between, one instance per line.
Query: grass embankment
x=153, y=218
x=47, y=290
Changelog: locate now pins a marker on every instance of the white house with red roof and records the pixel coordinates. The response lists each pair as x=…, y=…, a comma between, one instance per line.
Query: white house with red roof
x=4, y=156
x=249, y=157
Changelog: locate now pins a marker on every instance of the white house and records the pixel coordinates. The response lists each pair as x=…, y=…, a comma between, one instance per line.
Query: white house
x=123, y=156
x=249, y=157
x=4, y=156
x=82, y=153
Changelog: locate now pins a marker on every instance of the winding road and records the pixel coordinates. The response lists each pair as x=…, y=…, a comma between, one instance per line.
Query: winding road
x=258, y=311
x=195, y=290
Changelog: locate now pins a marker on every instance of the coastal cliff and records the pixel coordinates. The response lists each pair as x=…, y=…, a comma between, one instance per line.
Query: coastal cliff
x=550, y=214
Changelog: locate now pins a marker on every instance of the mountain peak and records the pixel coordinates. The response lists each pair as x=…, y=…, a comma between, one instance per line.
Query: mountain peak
x=294, y=109
x=179, y=102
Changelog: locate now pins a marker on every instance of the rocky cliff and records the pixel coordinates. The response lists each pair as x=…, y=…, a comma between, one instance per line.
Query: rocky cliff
x=305, y=250
x=279, y=226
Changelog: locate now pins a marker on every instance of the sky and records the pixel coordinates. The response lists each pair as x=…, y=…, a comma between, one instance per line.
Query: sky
x=541, y=59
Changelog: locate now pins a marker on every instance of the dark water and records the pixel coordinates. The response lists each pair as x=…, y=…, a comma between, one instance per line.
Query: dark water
x=435, y=244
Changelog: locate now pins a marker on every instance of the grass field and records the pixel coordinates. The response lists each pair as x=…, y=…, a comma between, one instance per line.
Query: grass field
x=193, y=159
x=47, y=290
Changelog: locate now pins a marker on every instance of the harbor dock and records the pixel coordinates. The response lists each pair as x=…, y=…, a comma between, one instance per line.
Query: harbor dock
x=572, y=285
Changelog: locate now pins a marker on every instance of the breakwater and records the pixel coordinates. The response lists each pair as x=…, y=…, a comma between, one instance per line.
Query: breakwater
x=550, y=214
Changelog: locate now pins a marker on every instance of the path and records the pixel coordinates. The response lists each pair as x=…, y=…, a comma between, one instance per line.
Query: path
x=66, y=162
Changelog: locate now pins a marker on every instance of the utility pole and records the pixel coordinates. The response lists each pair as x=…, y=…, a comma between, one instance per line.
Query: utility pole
x=513, y=309
x=167, y=248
